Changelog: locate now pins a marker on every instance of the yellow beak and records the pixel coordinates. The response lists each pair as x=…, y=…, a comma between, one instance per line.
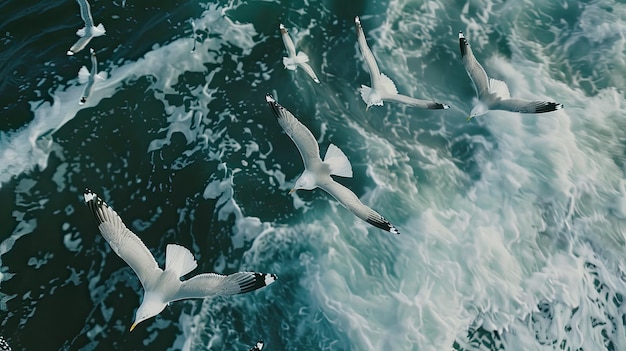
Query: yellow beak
x=133, y=326
x=469, y=118
x=291, y=191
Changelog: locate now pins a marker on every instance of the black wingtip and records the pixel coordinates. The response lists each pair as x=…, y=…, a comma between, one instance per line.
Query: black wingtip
x=257, y=281
x=259, y=346
x=549, y=107
x=383, y=224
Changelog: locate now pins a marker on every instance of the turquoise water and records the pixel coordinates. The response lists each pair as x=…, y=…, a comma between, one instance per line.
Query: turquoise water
x=513, y=226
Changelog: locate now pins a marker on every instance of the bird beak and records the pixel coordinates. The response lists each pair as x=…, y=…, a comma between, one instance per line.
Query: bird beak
x=469, y=118
x=291, y=191
x=367, y=108
x=133, y=326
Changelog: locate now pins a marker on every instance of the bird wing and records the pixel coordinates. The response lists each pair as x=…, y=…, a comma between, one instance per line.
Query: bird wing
x=307, y=68
x=350, y=201
x=526, y=106
x=85, y=13
x=301, y=135
x=213, y=284
x=475, y=71
x=367, y=54
x=415, y=102
x=125, y=243
x=291, y=48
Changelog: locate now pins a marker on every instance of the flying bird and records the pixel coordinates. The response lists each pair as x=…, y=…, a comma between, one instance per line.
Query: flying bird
x=293, y=60
x=164, y=286
x=317, y=173
x=493, y=94
x=90, y=78
x=88, y=32
x=383, y=88
x=258, y=346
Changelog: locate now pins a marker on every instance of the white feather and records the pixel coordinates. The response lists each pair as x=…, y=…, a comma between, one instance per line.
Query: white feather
x=98, y=30
x=179, y=260
x=102, y=75
x=81, y=32
x=290, y=63
x=338, y=162
x=302, y=57
x=386, y=85
x=83, y=75
x=499, y=88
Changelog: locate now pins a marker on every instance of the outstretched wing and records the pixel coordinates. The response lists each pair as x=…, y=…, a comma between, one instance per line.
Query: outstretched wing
x=85, y=13
x=350, y=201
x=124, y=243
x=301, y=135
x=367, y=54
x=415, y=102
x=212, y=284
x=526, y=106
x=475, y=71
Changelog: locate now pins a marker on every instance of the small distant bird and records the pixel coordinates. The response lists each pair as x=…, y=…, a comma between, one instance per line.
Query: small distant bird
x=317, y=173
x=4, y=345
x=88, y=32
x=164, y=286
x=258, y=347
x=292, y=61
x=493, y=94
x=383, y=88
x=85, y=76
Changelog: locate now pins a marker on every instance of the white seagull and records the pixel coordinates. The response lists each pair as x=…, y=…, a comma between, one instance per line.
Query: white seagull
x=493, y=94
x=88, y=32
x=85, y=76
x=258, y=347
x=293, y=60
x=317, y=173
x=164, y=286
x=383, y=88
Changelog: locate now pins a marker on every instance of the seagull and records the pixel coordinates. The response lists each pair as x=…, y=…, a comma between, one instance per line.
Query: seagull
x=383, y=88
x=317, y=173
x=292, y=61
x=493, y=94
x=164, y=286
x=84, y=76
x=88, y=32
x=258, y=347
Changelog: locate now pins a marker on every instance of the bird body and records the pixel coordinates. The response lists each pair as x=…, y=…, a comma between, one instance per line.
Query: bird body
x=164, y=286
x=493, y=94
x=317, y=173
x=382, y=87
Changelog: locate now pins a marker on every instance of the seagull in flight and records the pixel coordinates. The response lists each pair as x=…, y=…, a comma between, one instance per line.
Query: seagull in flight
x=293, y=60
x=164, y=286
x=317, y=173
x=493, y=94
x=383, y=88
x=90, y=78
x=88, y=32
x=258, y=346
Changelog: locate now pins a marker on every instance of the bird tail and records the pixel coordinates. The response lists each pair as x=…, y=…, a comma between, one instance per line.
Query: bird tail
x=83, y=75
x=292, y=62
x=99, y=30
x=179, y=260
x=338, y=162
x=81, y=32
x=102, y=75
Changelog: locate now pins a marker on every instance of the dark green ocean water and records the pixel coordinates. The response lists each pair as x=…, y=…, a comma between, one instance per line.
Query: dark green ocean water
x=513, y=227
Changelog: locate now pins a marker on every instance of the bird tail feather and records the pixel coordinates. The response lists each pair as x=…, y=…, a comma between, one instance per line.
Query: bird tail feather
x=179, y=260
x=81, y=32
x=99, y=30
x=338, y=162
x=83, y=75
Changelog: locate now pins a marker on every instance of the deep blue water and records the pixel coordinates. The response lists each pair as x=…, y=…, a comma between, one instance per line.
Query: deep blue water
x=513, y=227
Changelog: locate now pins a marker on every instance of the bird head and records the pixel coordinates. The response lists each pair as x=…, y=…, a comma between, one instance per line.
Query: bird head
x=305, y=182
x=150, y=307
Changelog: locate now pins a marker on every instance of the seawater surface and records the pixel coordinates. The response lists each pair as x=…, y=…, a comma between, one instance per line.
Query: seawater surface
x=513, y=227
